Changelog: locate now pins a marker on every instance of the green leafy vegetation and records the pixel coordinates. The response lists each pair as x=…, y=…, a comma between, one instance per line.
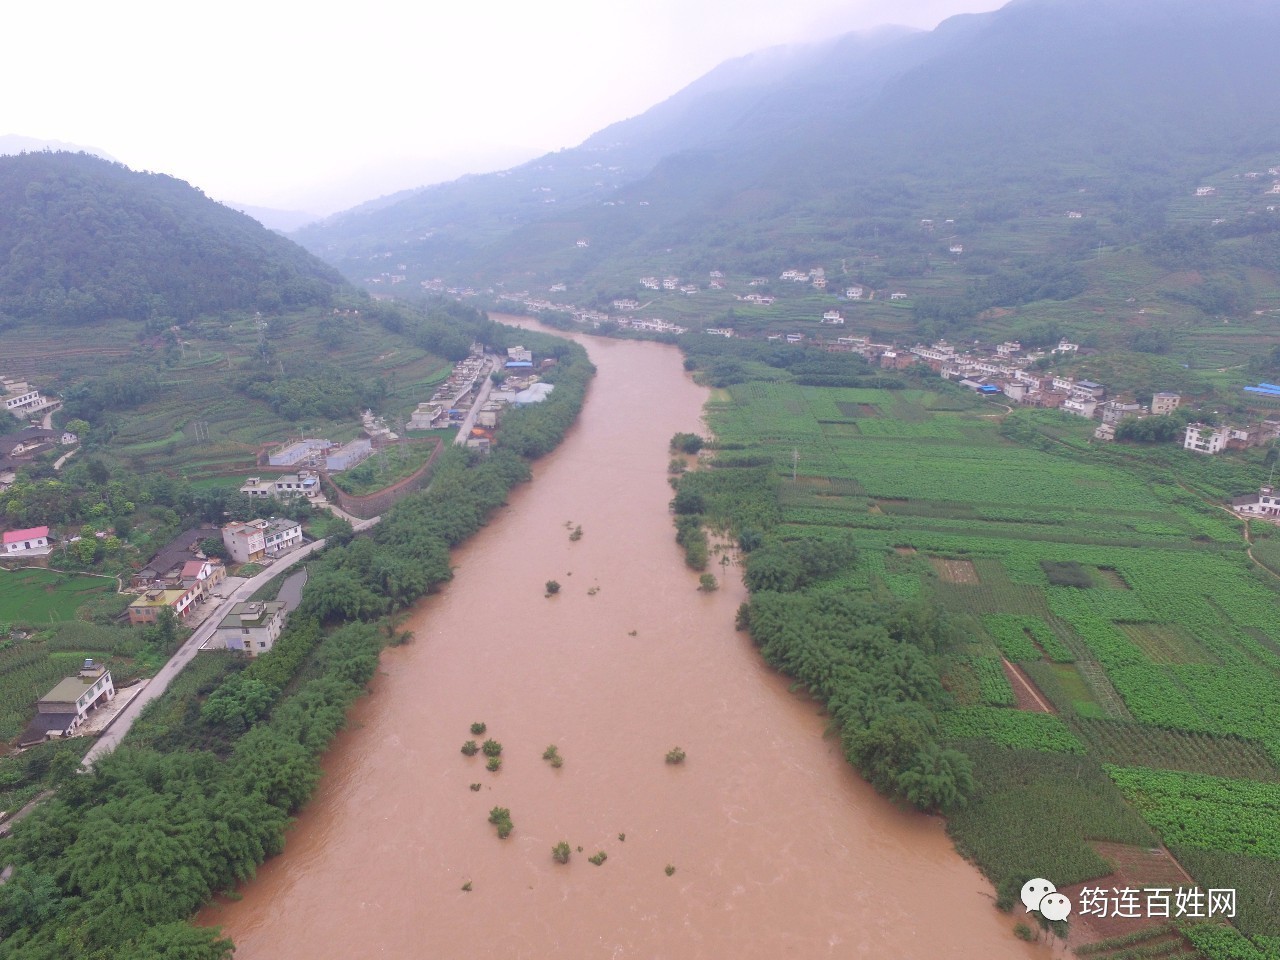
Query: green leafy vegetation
x=560, y=852
x=675, y=755
x=216, y=768
x=686, y=443
x=1100, y=574
x=500, y=817
x=174, y=252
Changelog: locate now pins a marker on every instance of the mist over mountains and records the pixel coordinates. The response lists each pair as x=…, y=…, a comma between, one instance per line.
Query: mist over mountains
x=800, y=152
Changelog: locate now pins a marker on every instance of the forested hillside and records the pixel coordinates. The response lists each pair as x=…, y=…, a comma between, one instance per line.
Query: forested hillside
x=83, y=239
x=1043, y=159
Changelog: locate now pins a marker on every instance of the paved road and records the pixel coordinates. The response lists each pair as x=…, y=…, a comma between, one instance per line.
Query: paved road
x=469, y=421
x=112, y=736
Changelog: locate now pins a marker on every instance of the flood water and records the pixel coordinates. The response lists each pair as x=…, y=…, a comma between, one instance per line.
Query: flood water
x=779, y=849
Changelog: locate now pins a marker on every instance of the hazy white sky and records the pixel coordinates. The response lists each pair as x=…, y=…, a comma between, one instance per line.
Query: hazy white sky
x=317, y=105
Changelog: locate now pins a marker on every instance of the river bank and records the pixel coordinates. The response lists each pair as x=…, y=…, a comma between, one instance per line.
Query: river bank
x=778, y=847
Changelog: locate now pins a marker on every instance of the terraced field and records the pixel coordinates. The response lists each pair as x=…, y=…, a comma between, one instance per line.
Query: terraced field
x=200, y=423
x=1161, y=660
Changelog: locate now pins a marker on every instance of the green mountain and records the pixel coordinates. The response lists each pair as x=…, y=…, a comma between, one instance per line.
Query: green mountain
x=83, y=239
x=1058, y=143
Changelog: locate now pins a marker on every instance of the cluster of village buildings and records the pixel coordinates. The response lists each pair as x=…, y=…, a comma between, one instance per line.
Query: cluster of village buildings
x=461, y=394
x=180, y=577
x=22, y=446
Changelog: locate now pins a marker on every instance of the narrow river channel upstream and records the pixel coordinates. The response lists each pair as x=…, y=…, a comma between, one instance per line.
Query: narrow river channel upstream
x=779, y=849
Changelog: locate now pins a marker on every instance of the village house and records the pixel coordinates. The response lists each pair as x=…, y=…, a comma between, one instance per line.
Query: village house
x=60, y=711
x=1206, y=191
x=27, y=443
x=833, y=317
x=1241, y=438
x=1265, y=503
x=1015, y=390
x=853, y=293
x=31, y=542
x=165, y=568
x=302, y=484
x=720, y=331
x=1165, y=403
x=898, y=296
x=1204, y=439
x=1105, y=431
x=21, y=400
x=296, y=451
x=252, y=627
x=1079, y=406
x=941, y=351
x=1113, y=411
x=203, y=575
x=146, y=609
x=348, y=455
x=281, y=535
x=1088, y=389
x=1009, y=348
x=1066, y=346
x=245, y=541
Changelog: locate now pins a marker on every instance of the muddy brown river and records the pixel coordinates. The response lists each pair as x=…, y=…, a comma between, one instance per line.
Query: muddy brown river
x=779, y=849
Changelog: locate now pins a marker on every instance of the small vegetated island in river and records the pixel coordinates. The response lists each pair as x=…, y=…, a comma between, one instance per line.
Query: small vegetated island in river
x=201, y=791
x=1062, y=648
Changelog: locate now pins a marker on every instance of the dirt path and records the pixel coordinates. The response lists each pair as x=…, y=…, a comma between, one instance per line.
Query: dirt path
x=1024, y=689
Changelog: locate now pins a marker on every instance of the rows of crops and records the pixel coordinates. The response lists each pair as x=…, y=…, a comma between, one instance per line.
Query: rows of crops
x=1161, y=658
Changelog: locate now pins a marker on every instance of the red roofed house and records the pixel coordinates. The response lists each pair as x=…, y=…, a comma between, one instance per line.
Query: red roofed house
x=203, y=575
x=33, y=542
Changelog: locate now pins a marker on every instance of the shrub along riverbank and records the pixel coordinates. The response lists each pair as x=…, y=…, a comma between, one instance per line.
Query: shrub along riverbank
x=113, y=865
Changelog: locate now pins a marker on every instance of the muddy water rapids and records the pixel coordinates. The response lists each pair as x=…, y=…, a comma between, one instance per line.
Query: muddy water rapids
x=779, y=849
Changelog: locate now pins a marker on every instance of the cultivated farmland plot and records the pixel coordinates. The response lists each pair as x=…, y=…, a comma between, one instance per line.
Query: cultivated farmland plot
x=1127, y=601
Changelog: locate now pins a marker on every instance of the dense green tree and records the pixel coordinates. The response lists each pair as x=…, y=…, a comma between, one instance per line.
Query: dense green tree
x=83, y=239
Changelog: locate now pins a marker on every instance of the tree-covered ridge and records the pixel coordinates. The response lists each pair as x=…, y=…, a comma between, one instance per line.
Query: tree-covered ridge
x=83, y=239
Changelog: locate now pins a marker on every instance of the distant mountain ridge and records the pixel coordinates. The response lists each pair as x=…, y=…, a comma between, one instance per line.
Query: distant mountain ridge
x=85, y=239
x=11, y=143
x=797, y=153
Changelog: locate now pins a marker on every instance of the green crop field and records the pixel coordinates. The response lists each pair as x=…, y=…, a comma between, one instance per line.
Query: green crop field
x=39, y=596
x=1126, y=599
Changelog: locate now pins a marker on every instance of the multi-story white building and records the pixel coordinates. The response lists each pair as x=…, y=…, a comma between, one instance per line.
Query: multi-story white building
x=245, y=541
x=1204, y=439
